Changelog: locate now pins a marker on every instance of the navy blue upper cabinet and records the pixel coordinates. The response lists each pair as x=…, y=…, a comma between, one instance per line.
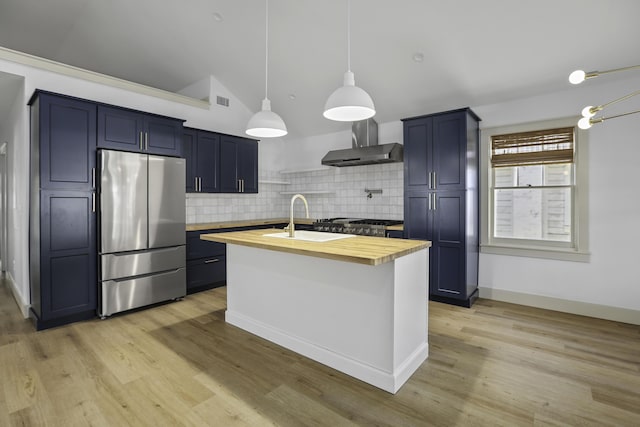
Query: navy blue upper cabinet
x=128, y=130
x=66, y=132
x=441, y=199
x=238, y=165
x=201, y=149
x=189, y=137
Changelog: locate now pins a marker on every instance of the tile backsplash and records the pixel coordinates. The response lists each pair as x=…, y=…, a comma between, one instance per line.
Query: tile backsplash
x=331, y=192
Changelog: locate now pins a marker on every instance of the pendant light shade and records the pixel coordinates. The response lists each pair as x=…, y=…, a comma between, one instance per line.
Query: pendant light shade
x=265, y=123
x=349, y=103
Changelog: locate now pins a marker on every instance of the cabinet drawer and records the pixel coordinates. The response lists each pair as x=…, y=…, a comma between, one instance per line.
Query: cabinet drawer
x=197, y=248
x=206, y=273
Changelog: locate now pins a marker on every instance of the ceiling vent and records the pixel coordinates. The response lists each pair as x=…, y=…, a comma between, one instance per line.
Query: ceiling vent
x=221, y=100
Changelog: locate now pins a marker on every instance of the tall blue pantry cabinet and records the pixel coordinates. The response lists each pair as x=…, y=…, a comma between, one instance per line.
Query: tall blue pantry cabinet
x=441, y=199
x=62, y=231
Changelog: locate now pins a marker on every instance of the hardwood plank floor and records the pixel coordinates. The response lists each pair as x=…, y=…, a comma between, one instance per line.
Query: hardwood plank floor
x=181, y=364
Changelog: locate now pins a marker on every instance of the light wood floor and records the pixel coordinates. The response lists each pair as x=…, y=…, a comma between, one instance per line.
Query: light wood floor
x=180, y=364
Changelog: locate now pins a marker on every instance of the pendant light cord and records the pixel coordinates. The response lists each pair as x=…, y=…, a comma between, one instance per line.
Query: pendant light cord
x=348, y=35
x=266, y=50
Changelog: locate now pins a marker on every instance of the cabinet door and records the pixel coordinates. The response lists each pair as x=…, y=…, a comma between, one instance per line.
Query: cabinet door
x=207, y=160
x=67, y=143
x=189, y=152
x=248, y=165
x=120, y=129
x=162, y=136
x=417, y=154
x=68, y=275
x=448, y=273
x=449, y=151
x=206, y=273
x=228, y=164
x=417, y=215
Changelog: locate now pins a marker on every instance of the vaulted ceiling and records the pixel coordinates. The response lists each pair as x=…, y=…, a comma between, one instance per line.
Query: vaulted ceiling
x=474, y=51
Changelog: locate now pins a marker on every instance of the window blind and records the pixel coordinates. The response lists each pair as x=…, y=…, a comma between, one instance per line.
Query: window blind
x=539, y=147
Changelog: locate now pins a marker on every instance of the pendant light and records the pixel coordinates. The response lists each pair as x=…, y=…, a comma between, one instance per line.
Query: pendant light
x=349, y=103
x=266, y=123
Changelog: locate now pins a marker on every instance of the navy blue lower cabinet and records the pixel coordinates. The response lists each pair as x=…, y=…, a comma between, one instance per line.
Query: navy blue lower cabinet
x=64, y=264
x=395, y=234
x=206, y=262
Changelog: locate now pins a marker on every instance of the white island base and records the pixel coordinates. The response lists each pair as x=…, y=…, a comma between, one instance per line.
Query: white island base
x=367, y=321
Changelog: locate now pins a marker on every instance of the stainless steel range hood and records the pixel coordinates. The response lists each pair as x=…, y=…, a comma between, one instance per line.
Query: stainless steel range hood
x=364, y=148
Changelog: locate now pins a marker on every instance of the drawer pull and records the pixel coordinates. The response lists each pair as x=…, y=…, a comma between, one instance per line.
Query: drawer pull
x=209, y=261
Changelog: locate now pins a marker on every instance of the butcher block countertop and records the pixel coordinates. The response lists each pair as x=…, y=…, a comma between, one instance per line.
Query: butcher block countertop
x=358, y=249
x=246, y=223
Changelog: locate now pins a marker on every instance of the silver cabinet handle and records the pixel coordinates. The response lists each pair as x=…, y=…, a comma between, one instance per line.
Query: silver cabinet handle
x=429, y=197
x=434, y=202
x=435, y=183
x=243, y=185
x=93, y=201
x=93, y=177
x=211, y=261
x=195, y=183
x=200, y=184
x=146, y=141
x=141, y=141
x=430, y=185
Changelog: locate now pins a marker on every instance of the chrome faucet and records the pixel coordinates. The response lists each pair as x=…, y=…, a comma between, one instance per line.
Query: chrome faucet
x=291, y=228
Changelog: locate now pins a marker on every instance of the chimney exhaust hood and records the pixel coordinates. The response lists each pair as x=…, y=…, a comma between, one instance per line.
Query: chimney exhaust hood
x=364, y=148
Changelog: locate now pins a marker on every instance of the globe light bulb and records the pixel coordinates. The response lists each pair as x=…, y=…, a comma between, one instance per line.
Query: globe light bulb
x=588, y=111
x=584, y=123
x=577, y=77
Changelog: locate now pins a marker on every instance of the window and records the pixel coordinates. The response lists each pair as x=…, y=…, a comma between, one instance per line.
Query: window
x=532, y=192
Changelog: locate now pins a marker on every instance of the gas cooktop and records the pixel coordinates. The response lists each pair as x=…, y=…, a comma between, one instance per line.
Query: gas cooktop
x=360, y=226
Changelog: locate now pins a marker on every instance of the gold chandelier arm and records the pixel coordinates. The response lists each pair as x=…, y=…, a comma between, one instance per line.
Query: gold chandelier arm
x=632, y=94
x=615, y=70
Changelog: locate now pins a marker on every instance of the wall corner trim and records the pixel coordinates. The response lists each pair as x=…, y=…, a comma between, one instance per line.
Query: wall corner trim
x=598, y=311
x=23, y=306
x=80, y=73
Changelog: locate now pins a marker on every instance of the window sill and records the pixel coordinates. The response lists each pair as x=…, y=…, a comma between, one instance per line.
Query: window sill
x=531, y=252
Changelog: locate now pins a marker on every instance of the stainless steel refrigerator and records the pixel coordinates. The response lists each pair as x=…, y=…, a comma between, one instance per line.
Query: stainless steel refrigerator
x=142, y=230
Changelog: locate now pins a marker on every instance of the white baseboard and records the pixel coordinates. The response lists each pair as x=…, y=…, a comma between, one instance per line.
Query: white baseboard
x=618, y=314
x=388, y=381
x=23, y=306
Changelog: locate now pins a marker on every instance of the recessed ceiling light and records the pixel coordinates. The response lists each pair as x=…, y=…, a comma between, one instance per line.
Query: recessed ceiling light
x=418, y=57
x=217, y=17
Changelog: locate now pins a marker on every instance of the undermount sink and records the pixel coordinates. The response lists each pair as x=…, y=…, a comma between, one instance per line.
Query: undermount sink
x=310, y=236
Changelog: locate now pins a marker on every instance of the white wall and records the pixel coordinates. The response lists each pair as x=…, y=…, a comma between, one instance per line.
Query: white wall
x=610, y=278
x=14, y=131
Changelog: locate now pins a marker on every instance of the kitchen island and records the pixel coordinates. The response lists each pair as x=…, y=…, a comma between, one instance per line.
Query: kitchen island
x=356, y=304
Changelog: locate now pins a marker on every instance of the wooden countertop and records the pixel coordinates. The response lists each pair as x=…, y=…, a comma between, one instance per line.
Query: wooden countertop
x=246, y=223
x=358, y=249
